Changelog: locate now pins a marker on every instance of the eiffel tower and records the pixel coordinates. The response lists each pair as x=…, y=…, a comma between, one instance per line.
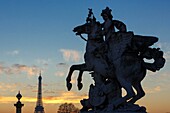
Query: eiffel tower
x=39, y=106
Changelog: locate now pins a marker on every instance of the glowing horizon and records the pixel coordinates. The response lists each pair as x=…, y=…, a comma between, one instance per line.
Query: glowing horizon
x=37, y=35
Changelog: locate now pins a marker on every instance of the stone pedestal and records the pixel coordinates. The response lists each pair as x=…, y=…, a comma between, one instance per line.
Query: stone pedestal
x=113, y=112
x=133, y=108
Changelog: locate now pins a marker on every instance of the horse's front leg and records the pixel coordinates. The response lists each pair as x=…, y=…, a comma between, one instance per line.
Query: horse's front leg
x=68, y=79
x=72, y=68
x=79, y=84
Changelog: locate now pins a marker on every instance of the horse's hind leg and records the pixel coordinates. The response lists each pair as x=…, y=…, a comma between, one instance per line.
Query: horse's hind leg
x=130, y=93
x=140, y=92
x=80, y=85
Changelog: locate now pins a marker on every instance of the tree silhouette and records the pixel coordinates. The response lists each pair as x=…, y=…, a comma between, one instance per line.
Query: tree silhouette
x=67, y=108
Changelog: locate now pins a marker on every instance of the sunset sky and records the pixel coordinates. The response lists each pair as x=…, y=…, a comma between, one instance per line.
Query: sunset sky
x=37, y=35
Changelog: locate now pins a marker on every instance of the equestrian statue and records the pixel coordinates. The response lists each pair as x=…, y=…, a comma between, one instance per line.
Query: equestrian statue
x=115, y=60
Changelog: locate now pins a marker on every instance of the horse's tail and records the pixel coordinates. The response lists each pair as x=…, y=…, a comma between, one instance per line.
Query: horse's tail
x=157, y=55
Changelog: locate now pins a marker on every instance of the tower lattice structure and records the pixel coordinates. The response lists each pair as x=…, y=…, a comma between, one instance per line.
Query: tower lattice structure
x=39, y=105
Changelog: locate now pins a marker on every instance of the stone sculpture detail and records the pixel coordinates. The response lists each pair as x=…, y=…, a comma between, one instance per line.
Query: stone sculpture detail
x=115, y=60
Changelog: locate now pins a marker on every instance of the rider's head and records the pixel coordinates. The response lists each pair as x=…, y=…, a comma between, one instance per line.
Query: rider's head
x=106, y=14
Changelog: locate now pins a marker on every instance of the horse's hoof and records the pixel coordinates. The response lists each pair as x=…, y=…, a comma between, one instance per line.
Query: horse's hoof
x=69, y=86
x=80, y=86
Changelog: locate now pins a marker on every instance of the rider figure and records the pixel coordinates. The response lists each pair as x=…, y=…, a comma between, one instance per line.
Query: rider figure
x=108, y=29
x=109, y=24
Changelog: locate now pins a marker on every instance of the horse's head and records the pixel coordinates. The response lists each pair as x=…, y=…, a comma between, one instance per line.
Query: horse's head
x=82, y=29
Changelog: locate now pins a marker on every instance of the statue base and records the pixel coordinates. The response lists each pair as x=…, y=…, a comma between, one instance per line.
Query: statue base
x=100, y=101
x=110, y=112
x=125, y=109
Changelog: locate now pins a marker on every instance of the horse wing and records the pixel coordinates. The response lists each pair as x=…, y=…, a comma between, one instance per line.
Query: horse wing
x=118, y=43
x=142, y=42
x=119, y=25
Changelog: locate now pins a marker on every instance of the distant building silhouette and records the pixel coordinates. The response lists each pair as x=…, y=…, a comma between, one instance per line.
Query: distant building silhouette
x=18, y=105
x=39, y=105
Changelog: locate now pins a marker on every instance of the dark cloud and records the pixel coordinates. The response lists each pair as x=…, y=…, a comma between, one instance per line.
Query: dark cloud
x=49, y=92
x=61, y=64
x=31, y=87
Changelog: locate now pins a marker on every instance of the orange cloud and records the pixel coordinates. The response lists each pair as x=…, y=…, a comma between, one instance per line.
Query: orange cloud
x=153, y=90
x=69, y=97
x=7, y=87
x=157, y=88
x=60, y=74
x=19, y=68
x=7, y=99
x=30, y=70
x=71, y=55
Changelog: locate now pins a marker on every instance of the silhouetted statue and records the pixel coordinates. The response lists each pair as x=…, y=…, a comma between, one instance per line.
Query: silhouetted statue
x=116, y=62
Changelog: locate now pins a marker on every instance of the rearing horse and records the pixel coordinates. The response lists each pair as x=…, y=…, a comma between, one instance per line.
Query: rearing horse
x=128, y=63
x=92, y=61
